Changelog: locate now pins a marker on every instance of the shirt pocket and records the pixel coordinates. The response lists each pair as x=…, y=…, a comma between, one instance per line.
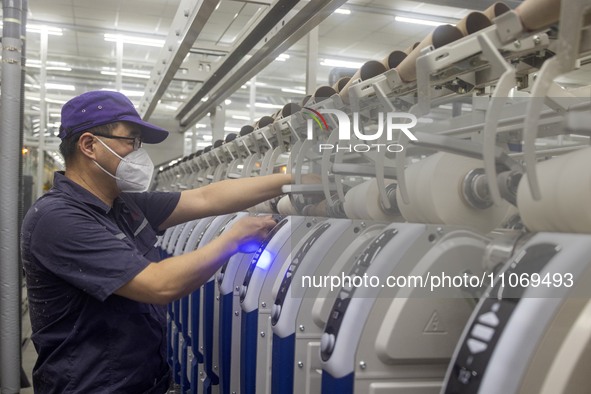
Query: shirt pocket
x=145, y=239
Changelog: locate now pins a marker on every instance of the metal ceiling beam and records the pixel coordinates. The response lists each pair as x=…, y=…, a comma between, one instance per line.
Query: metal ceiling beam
x=276, y=13
x=471, y=4
x=187, y=25
x=393, y=11
x=287, y=33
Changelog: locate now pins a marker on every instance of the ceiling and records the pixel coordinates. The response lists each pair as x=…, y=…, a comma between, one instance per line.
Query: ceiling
x=82, y=60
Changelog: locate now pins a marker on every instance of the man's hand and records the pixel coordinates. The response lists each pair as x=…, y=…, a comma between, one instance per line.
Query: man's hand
x=248, y=233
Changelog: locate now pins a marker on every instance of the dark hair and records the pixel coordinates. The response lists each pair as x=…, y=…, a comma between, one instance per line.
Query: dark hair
x=68, y=145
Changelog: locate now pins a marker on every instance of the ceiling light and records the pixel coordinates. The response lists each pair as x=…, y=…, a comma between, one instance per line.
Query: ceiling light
x=128, y=93
x=296, y=91
x=256, y=84
x=241, y=117
x=340, y=63
x=49, y=66
x=59, y=86
x=266, y=105
x=151, y=42
x=200, y=126
x=343, y=11
x=129, y=73
x=232, y=129
x=228, y=102
x=37, y=63
x=418, y=21
x=281, y=58
x=207, y=137
x=54, y=31
x=47, y=100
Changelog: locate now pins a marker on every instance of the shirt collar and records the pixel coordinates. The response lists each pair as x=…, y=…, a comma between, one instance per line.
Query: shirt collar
x=74, y=190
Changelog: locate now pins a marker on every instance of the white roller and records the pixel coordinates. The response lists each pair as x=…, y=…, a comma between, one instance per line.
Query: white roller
x=361, y=198
x=285, y=207
x=565, y=185
x=350, y=202
x=363, y=202
x=435, y=192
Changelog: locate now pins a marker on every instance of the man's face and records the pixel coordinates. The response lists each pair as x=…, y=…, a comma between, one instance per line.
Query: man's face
x=125, y=139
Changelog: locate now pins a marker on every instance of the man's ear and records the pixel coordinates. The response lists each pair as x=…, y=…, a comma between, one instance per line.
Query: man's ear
x=86, y=145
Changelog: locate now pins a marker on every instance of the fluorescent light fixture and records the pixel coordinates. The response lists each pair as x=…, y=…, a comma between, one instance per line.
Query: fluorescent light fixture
x=418, y=21
x=228, y=102
x=340, y=63
x=200, y=126
x=256, y=84
x=241, y=117
x=128, y=93
x=128, y=73
x=232, y=129
x=49, y=66
x=266, y=106
x=55, y=115
x=150, y=42
x=283, y=57
x=48, y=100
x=59, y=86
x=171, y=107
x=37, y=63
x=201, y=144
x=296, y=91
x=343, y=11
x=54, y=31
x=207, y=137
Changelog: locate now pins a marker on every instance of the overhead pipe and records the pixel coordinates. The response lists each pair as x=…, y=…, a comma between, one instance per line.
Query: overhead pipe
x=10, y=127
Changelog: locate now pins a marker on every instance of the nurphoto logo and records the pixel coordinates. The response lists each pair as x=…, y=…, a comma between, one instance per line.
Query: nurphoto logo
x=387, y=122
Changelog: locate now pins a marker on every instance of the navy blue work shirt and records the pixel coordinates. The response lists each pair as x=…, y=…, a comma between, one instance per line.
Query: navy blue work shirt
x=76, y=252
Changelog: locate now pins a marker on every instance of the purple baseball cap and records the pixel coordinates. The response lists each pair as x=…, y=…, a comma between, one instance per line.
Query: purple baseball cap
x=102, y=107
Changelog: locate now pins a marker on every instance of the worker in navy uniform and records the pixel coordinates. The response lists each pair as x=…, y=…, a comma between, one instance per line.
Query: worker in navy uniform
x=97, y=290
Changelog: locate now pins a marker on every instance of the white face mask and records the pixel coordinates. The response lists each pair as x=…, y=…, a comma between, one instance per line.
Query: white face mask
x=134, y=171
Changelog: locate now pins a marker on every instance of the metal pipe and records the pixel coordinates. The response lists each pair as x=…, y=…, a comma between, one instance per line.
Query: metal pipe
x=119, y=77
x=21, y=204
x=10, y=352
x=43, y=111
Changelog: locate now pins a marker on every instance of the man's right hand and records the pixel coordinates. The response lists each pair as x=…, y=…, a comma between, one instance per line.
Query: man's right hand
x=248, y=233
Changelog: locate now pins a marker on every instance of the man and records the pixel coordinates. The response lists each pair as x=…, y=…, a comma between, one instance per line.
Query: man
x=97, y=292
